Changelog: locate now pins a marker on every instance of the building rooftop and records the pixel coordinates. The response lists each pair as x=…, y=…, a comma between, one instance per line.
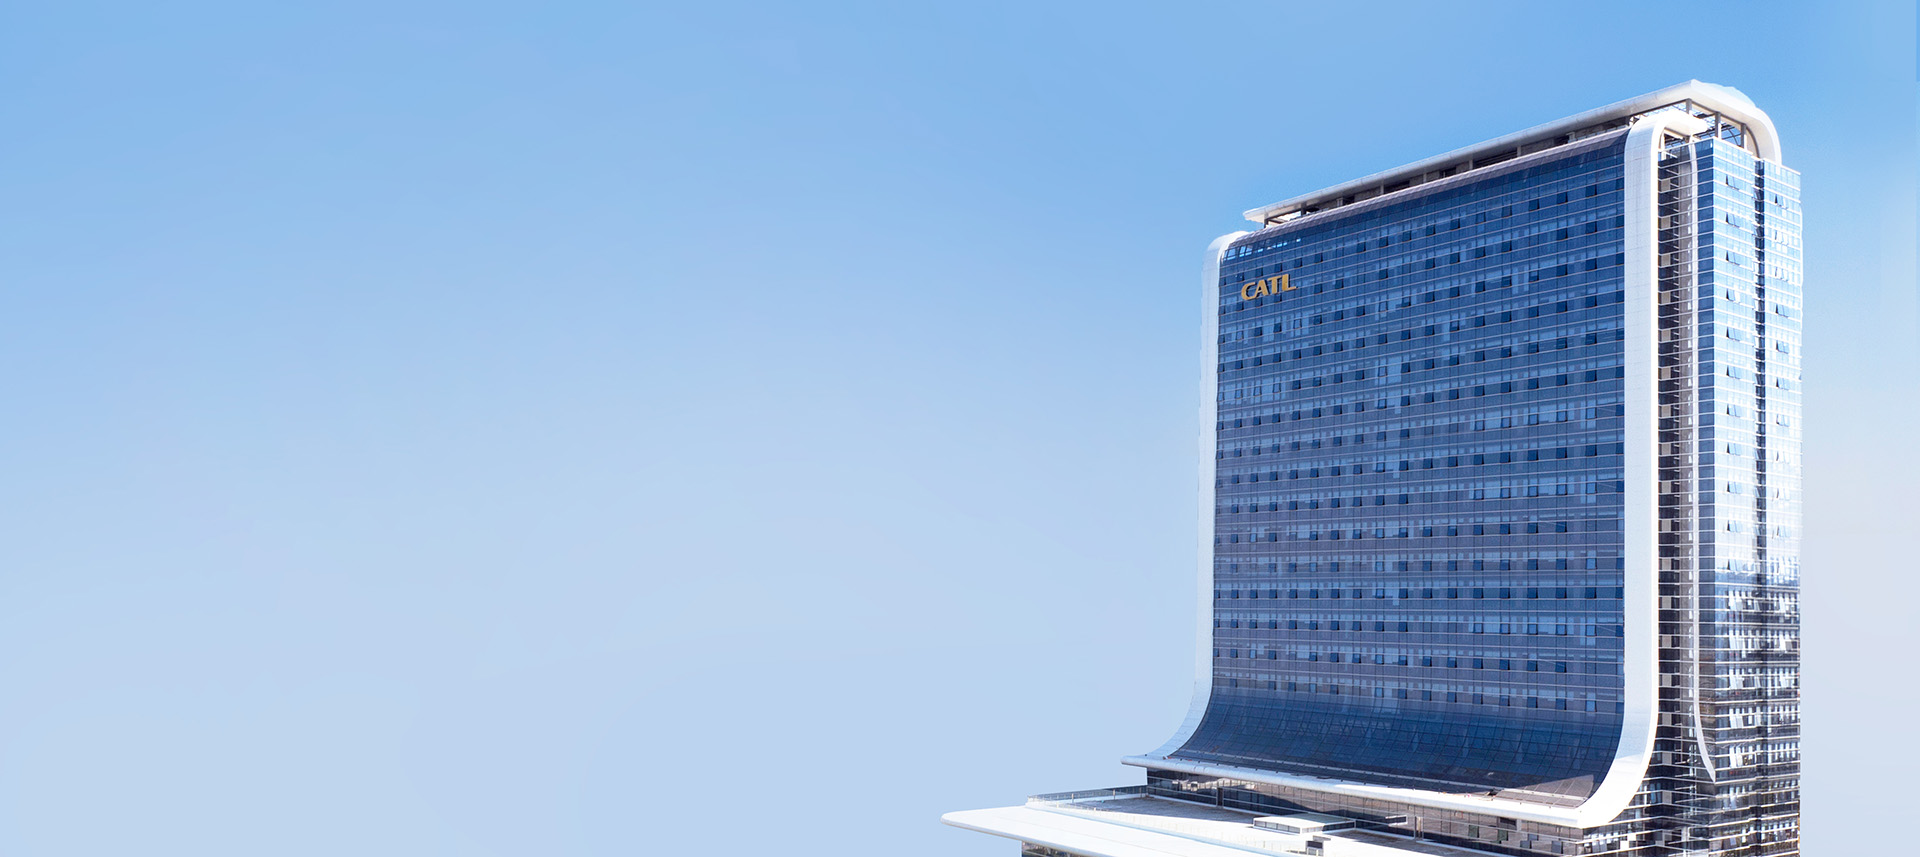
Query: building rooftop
x=1729, y=111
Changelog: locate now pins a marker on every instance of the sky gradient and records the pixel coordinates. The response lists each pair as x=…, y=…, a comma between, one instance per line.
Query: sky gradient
x=611, y=429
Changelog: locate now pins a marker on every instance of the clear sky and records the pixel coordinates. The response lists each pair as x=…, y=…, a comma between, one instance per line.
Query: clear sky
x=472, y=428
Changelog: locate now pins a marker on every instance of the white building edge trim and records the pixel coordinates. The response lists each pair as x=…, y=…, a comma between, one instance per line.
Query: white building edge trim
x=1209, y=414
x=1729, y=102
x=1641, y=504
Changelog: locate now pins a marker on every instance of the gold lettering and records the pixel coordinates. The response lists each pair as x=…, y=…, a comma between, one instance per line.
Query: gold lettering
x=1261, y=288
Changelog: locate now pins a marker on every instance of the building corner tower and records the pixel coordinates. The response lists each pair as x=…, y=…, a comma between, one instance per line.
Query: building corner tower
x=1499, y=511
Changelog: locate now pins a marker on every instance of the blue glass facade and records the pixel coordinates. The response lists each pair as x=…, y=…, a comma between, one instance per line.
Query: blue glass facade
x=1727, y=771
x=1418, y=525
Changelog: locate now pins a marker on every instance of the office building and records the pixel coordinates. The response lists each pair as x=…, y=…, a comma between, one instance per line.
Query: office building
x=1499, y=510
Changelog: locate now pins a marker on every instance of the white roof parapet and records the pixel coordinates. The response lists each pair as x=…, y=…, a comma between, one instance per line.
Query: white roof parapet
x=1733, y=106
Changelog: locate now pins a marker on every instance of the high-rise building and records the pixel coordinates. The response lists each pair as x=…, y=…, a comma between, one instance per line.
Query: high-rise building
x=1499, y=511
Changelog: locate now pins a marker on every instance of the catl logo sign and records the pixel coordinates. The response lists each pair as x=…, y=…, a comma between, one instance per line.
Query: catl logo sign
x=1262, y=288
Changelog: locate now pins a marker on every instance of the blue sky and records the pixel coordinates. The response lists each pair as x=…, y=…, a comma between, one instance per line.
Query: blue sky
x=492, y=429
